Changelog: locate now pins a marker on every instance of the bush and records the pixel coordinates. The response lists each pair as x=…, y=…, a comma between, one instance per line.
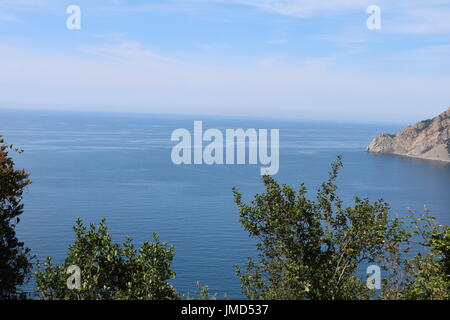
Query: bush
x=109, y=270
x=15, y=258
x=311, y=249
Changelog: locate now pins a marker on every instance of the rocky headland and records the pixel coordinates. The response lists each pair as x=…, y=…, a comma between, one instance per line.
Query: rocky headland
x=428, y=139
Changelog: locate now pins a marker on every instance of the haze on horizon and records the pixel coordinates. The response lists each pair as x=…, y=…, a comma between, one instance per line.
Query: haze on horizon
x=285, y=58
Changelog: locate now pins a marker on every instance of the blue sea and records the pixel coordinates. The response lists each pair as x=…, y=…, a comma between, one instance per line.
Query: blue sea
x=117, y=165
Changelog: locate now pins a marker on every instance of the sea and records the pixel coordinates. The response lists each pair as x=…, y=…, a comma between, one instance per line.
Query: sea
x=91, y=165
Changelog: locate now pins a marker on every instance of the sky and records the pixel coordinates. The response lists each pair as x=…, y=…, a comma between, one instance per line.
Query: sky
x=308, y=59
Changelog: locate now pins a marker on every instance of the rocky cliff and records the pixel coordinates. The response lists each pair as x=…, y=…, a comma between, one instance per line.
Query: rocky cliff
x=428, y=139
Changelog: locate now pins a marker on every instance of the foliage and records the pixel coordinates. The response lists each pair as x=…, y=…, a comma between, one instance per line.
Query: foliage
x=307, y=249
x=108, y=270
x=425, y=276
x=311, y=249
x=202, y=293
x=15, y=258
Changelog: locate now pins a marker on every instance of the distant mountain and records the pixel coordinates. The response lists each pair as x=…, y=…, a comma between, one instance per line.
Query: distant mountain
x=428, y=139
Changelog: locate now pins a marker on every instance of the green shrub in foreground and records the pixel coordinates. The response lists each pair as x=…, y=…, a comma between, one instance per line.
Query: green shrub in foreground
x=109, y=270
x=311, y=249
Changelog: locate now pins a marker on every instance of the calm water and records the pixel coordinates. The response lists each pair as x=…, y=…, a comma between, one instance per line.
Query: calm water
x=118, y=166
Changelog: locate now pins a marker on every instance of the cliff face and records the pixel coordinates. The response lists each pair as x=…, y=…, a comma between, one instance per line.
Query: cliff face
x=428, y=139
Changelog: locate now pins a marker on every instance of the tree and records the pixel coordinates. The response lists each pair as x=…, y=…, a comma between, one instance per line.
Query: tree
x=108, y=270
x=311, y=249
x=425, y=275
x=15, y=258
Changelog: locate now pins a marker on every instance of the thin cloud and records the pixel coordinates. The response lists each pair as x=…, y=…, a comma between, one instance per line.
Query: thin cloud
x=424, y=21
x=7, y=18
x=404, y=16
x=24, y=4
x=304, y=8
x=276, y=42
x=140, y=80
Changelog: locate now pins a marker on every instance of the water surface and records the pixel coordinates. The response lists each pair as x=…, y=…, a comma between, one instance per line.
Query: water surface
x=118, y=166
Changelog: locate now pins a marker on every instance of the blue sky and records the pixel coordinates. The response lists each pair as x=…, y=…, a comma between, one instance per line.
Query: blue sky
x=281, y=58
